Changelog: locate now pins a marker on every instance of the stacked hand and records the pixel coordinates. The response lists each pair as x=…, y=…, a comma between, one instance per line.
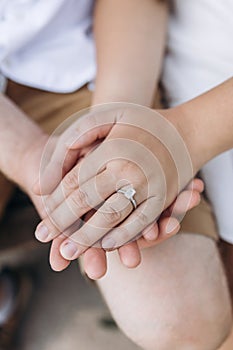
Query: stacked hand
x=118, y=148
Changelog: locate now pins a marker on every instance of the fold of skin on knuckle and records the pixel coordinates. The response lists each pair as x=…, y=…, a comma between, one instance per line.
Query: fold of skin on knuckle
x=70, y=181
x=111, y=215
x=79, y=200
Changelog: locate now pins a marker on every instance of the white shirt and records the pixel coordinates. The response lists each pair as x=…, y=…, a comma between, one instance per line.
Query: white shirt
x=200, y=56
x=47, y=44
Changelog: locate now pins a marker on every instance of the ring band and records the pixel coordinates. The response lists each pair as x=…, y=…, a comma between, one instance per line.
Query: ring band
x=129, y=194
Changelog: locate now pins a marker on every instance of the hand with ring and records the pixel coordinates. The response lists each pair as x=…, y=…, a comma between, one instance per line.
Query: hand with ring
x=132, y=178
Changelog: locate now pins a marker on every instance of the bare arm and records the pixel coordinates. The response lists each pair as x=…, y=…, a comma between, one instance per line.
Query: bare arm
x=18, y=134
x=206, y=123
x=130, y=39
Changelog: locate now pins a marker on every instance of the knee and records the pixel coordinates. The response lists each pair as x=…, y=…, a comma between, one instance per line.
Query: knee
x=178, y=325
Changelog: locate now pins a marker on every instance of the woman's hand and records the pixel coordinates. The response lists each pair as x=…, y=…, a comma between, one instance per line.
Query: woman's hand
x=140, y=132
x=94, y=259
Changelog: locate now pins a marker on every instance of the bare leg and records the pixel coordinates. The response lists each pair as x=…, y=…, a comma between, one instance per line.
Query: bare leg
x=227, y=257
x=176, y=299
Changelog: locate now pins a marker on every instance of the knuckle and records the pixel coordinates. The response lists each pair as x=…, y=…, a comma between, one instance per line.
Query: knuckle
x=111, y=214
x=71, y=180
x=79, y=199
x=131, y=172
x=127, y=166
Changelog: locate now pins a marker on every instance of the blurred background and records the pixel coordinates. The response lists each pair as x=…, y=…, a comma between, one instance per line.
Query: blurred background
x=51, y=311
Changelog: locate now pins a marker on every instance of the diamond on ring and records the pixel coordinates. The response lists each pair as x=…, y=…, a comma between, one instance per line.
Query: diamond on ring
x=129, y=194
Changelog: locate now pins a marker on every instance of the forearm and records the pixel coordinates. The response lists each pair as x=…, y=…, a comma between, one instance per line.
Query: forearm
x=17, y=135
x=206, y=123
x=130, y=40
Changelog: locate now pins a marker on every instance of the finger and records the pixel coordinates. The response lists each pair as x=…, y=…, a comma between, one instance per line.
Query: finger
x=196, y=185
x=85, y=131
x=130, y=255
x=79, y=202
x=141, y=217
x=94, y=262
x=178, y=207
x=71, y=182
x=151, y=232
x=110, y=214
x=61, y=162
x=168, y=227
x=106, y=156
x=88, y=168
x=57, y=262
x=88, y=149
x=90, y=128
x=54, y=169
x=94, y=259
x=185, y=201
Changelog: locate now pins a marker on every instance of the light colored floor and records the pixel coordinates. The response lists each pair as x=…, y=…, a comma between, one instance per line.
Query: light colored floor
x=66, y=313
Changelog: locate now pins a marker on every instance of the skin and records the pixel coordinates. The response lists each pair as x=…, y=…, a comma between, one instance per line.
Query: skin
x=17, y=127
x=187, y=126
x=12, y=157
x=191, y=119
x=20, y=137
x=63, y=199
x=139, y=85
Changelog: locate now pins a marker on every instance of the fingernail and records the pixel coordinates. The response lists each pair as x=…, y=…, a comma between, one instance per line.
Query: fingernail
x=108, y=243
x=151, y=235
x=172, y=224
x=42, y=232
x=69, y=250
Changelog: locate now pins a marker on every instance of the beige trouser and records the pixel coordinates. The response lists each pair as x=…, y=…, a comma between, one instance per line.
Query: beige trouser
x=49, y=110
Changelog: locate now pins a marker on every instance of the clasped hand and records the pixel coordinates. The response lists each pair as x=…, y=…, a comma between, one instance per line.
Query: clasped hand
x=112, y=148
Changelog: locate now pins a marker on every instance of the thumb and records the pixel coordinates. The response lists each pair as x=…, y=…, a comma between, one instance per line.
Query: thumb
x=90, y=128
x=83, y=133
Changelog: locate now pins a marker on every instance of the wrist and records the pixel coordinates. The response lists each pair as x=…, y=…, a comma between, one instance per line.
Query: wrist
x=18, y=135
x=30, y=163
x=114, y=89
x=184, y=120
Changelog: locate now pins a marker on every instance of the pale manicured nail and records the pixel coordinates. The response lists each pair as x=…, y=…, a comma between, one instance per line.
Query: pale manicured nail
x=151, y=235
x=108, y=243
x=42, y=232
x=172, y=224
x=69, y=250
